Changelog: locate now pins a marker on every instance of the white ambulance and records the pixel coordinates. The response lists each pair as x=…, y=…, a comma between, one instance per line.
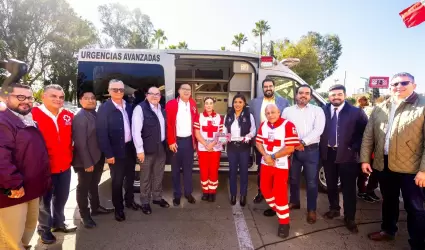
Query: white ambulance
x=219, y=74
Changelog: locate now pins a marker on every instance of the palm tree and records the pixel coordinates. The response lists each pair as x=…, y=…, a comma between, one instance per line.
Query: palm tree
x=172, y=47
x=159, y=37
x=261, y=27
x=223, y=48
x=239, y=40
x=182, y=45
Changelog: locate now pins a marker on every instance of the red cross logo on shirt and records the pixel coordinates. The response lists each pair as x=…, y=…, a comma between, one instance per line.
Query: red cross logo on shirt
x=271, y=144
x=210, y=129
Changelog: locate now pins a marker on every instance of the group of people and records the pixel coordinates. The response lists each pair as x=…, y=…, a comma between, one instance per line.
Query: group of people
x=38, y=146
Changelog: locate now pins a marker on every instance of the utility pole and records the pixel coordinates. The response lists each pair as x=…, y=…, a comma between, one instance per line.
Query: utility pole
x=345, y=77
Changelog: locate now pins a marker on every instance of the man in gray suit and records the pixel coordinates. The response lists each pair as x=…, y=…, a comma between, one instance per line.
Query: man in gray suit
x=88, y=161
x=257, y=107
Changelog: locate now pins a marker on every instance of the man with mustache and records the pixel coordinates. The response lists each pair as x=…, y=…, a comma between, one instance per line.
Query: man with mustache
x=24, y=169
x=257, y=107
x=339, y=149
x=310, y=122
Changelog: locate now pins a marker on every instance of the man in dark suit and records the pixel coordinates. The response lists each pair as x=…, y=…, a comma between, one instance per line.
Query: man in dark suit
x=87, y=160
x=257, y=107
x=339, y=149
x=113, y=124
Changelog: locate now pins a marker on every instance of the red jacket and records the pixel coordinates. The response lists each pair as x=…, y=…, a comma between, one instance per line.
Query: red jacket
x=171, y=109
x=59, y=144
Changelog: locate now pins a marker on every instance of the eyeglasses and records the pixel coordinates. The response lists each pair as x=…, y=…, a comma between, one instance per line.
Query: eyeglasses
x=155, y=94
x=116, y=90
x=23, y=98
x=89, y=98
x=401, y=83
x=186, y=89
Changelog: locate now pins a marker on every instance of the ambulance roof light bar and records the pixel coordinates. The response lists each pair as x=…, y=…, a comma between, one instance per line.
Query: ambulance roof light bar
x=267, y=62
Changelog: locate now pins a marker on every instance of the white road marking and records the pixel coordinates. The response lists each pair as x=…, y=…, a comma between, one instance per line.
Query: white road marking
x=242, y=231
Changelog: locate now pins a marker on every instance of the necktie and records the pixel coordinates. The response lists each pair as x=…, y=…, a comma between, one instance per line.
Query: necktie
x=333, y=130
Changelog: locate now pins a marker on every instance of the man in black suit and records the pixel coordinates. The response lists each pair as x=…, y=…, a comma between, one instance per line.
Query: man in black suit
x=339, y=149
x=113, y=126
x=87, y=160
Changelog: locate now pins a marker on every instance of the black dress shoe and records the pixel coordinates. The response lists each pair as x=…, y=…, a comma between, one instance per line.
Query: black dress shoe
x=65, y=229
x=258, y=198
x=211, y=198
x=332, y=214
x=133, y=206
x=242, y=201
x=205, y=197
x=190, y=199
x=146, y=209
x=47, y=237
x=176, y=202
x=119, y=215
x=88, y=222
x=269, y=212
x=283, y=230
x=351, y=225
x=102, y=210
x=162, y=203
x=232, y=200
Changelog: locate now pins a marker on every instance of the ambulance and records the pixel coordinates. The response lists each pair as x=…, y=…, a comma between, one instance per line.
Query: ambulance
x=218, y=74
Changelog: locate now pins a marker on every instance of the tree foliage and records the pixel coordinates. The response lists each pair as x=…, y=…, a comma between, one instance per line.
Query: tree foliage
x=261, y=28
x=172, y=47
x=239, y=40
x=182, y=45
x=159, y=37
x=318, y=56
x=125, y=28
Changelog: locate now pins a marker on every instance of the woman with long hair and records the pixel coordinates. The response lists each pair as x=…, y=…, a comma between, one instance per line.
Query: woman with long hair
x=207, y=127
x=239, y=124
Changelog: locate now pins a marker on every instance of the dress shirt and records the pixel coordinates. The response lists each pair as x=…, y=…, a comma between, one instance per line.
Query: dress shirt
x=394, y=107
x=337, y=115
x=138, y=125
x=26, y=119
x=184, y=119
x=264, y=104
x=309, y=122
x=51, y=115
x=236, y=130
x=127, y=131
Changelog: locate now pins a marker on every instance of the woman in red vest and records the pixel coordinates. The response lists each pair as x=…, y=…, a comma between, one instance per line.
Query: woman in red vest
x=207, y=127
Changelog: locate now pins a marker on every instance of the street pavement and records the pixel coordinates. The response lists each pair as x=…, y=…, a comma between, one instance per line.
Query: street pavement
x=218, y=225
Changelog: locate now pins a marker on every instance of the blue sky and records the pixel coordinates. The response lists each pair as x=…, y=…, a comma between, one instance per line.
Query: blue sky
x=375, y=40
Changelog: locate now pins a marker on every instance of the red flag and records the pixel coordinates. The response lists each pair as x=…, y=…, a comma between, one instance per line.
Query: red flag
x=414, y=15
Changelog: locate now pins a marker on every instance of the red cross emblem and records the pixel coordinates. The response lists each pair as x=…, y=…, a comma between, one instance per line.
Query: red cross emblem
x=272, y=144
x=210, y=129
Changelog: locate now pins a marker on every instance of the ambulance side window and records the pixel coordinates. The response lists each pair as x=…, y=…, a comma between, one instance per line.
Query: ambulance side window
x=284, y=87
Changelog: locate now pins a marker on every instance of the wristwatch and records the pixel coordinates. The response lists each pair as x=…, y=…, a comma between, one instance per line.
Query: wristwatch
x=303, y=143
x=273, y=156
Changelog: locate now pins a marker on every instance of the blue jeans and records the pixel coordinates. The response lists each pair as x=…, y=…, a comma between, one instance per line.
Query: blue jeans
x=309, y=161
x=238, y=160
x=52, y=204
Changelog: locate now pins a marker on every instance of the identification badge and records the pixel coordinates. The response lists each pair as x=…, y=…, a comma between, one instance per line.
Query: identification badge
x=270, y=137
x=222, y=137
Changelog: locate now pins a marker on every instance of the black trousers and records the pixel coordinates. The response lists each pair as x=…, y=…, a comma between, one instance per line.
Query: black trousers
x=123, y=169
x=372, y=181
x=347, y=172
x=87, y=188
x=413, y=197
x=258, y=162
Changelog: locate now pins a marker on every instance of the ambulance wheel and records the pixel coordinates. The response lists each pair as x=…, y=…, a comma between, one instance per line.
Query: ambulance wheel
x=322, y=181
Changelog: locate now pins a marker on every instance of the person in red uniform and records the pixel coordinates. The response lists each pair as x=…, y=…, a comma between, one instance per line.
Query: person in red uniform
x=55, y=124
x=276, y=141
x=181, y=113
x=207, y=127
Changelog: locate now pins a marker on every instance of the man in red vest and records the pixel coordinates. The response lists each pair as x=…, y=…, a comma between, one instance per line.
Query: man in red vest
x=55, y=124
x=181, y=114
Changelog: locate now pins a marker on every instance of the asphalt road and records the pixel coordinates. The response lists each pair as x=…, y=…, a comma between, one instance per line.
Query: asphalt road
x=218, y=225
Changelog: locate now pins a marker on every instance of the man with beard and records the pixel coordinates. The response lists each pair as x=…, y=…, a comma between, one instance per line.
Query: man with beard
x=339, y=149
x=257, y=107
x=310, y=122
x=24, y=169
